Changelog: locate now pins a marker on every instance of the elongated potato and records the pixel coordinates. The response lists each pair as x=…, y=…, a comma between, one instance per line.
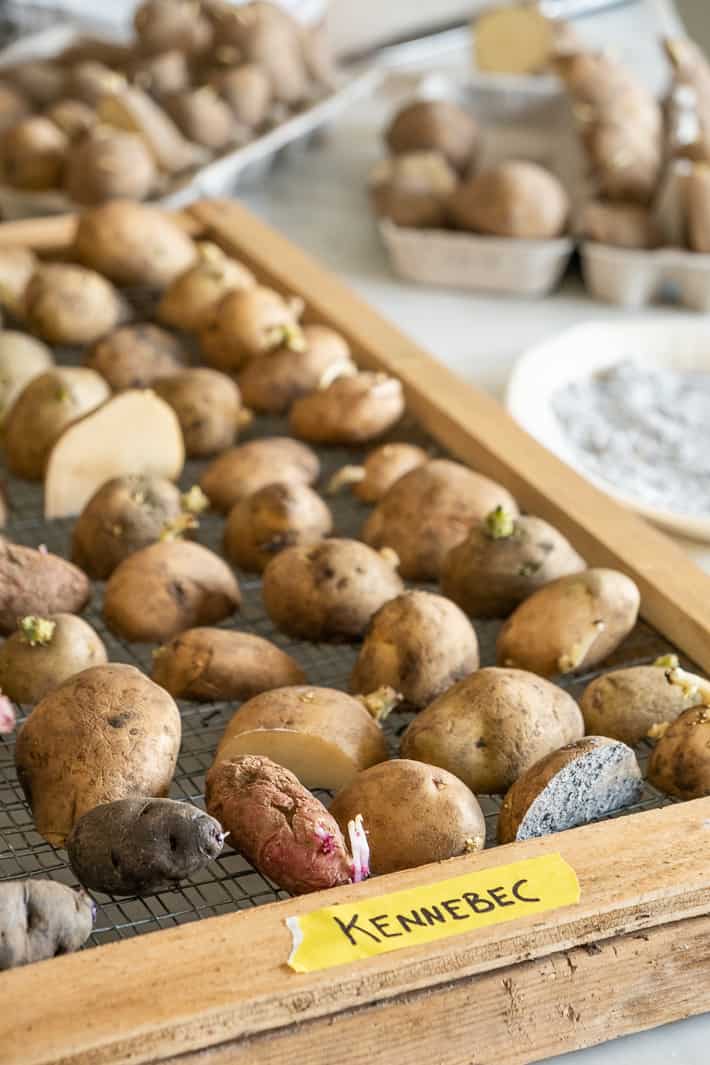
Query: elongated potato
x=34, y=581
x=570, y=624
x=276, y=516
x=353, y=409
x=108, y=733
x=492, y=726
x=22, y=358
x=46, y=651
x=136, y=356
x=271, y=383
x=131, y=109
x=323, y=736
x=243, y=470
x=584, y=781
x=67, y=304
x=215, y=664
x=167, y=587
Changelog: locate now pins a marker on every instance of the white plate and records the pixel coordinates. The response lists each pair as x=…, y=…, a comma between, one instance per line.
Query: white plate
x=586, y=349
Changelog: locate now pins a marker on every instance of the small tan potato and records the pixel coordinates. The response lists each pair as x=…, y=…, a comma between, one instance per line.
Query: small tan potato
x=247, y=91
x=623, y=225
x=202, y=117
x=73, y=117
x=328, y=591
x=14, y=106
x=212, y=665
x=32, y=154
x=43, y=410
x=166, y=24
x=167, y=587
x=109, y=165
x=382, y=467
x=323, y=736
x=243, y=470
x=133, y=110
x=420, y=645
x=435, y=126
x=42, y=80
x=107, y=733
x=413, y=814
x=90, y=80
x=571, y=624
x=133, y=244
x=161, y=74
x=248, y=323
x=17, y=266
x=413, y=189
x=429, y=511
x=22, y=358
x=513, y=199
x=354, y=409
x=503, y=560
x=136, y=356
x=35, y=581
x=277, y=516
x=44, y=652
x=492, y=726
x=207, y=404
x=124, y=515
x=271, y=383
x=680, y=763
x=583, y=782
x=627, y=704
x=191, y=298
x=67, y=304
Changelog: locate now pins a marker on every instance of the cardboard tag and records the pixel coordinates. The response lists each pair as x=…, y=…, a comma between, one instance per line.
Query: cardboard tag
x=336, y=935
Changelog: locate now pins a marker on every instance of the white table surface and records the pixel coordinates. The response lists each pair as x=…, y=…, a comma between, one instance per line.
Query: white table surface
x=317, y=199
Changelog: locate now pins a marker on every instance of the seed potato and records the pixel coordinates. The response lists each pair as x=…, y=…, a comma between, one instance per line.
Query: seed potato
x=277, y=516
x=207, y=404
x=271, y=383
x=44, y=652
x=67, y=304
x=242, y=470
x=34, y=581
x=190, y=299
x=382, y=467
x=248, y=323
x=136, y=356
x=680, y=763
x=354, y=409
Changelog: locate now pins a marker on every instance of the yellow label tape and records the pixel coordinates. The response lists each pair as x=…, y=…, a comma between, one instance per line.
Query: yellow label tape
x=339, y=934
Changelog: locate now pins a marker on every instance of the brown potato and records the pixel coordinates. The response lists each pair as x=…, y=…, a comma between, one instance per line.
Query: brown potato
x=132, y=109
x=680, y=763
x=73, y=117
x=264, y=33
x=33, y=581
x=136, y=356
x=571, y=624
x=248, y=323
x=161, y=74
x=123, y=516
x=167, y=587
x=271, y=383
x=413, y=189
x=191, y=298
x=382, y=467
x=17, y=266
x=211, y=665
x=502, y=561
x=429, y=511
x=243, y=470
x=22, y=358
x=202, y=117
x=207, y=404
x=584, y=781
x=14, y=106
x=329, y=591
x=107, y=733
x=133, y=244
x=247, y=91
x=413, y=814
x=354, y=409
x=492, y=726
x=67, y=304
x=42, y=80
x=44, y=652
x=276, y=516
x=419, y=644
x=623, y=225
x=90, y=80
x=32, y=153
x=43, y=410
x=171, y=24
x=435, y=126
x=697, y=208
x=109, y=165
x=323, y=736
x=513, y=199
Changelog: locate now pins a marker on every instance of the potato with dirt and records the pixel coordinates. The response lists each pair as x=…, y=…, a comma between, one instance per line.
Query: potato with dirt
x=413, y=814
x=277, y=516
x=241, y=471
x=136, y=356
x=190, y=299
x=503, y=560
x=352, y=410
x=435, y=126
x=419, y=644
x=41, y=919
x=107, y=164
x=247, y=323
x=514, y=199
x=107, y=733
x=34, y=581
x=207, y=404
x=492, y=726
x=33, y=154
x=22, y=358
x=571, y=624
x=43, y=410
x=211, y=665
x=382, y=467
x=281, y=828
x=167, y=587
x=44, y=652
x=139, y=846
x=430, y=510
x=68, y=304
x=328, y=591
x=271, y=383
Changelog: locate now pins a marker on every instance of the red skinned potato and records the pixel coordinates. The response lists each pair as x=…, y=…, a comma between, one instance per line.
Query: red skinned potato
x=35, y=582
x=167, y=587
x=354, y=409
x=136, y=356
x=207, y=404
x=277, y=516
x=280, y=827
x=243, y=470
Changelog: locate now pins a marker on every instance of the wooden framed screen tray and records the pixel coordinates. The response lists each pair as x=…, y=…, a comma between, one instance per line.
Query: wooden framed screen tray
x=634, y=952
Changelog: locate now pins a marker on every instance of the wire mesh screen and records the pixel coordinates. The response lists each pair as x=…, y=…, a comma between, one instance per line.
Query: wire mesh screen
x=229, y=883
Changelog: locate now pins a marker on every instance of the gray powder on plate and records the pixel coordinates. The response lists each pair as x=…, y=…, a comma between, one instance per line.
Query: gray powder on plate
x=643, y=430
